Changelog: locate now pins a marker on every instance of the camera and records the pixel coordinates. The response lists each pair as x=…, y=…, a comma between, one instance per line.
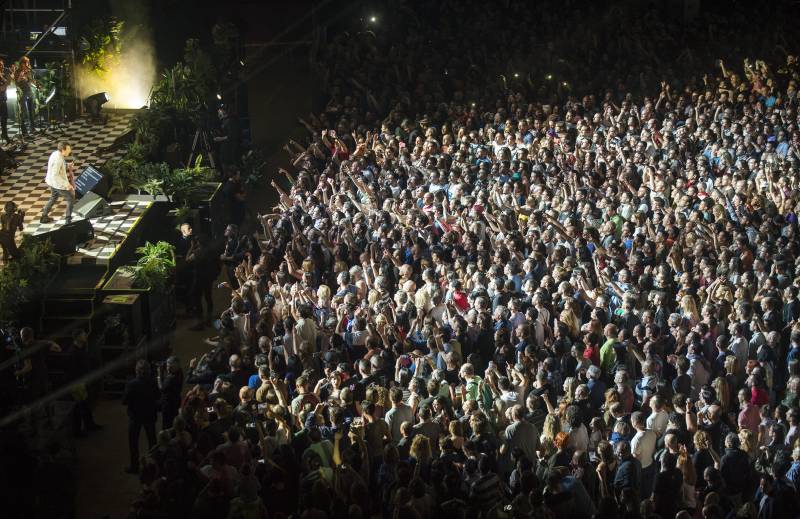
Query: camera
x=8, y=337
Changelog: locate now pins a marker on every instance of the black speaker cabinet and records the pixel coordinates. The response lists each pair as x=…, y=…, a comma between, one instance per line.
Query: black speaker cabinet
x=66, y=238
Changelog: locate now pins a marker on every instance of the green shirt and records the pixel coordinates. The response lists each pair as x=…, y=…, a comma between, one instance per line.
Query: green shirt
x=608, y=357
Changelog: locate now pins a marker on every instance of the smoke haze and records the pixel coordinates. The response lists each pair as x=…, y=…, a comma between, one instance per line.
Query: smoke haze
x=128, y=83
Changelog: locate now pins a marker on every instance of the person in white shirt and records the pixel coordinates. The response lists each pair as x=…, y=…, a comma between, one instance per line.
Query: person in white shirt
x=658, y=419
x=643, y=447
x=58, y=182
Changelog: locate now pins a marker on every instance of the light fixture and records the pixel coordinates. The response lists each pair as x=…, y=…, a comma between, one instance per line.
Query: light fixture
x=516, y=74
x=373, y=19
x=219, y=96
x=94, y=102
x=549, y=77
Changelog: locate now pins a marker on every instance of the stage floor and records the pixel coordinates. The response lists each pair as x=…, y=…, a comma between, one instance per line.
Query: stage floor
x=109, y=232
x=25, y=184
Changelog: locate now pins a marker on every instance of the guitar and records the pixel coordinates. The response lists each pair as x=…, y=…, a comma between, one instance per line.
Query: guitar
x=71, y=174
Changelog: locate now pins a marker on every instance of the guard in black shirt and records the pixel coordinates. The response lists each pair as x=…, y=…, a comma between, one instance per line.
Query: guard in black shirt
x=78, y=366
x=141, y=397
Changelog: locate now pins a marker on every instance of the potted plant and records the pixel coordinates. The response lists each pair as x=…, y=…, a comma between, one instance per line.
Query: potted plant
x=152, y=277
x=155, y=267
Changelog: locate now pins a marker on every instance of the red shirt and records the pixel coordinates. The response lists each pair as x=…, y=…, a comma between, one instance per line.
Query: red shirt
x=759, y=396
x=460, y=299
x=592, y=353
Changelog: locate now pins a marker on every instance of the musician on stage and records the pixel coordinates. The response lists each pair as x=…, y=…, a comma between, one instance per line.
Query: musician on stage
x=5, y=80
x=23, y=77
x=61, y=182
x=11, y=221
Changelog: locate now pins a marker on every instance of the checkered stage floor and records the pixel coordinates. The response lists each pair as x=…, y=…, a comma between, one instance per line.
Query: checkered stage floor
x=25, y=185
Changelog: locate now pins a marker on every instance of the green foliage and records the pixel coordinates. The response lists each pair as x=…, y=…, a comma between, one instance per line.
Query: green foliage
x=55, y=76
x=125, y=171
x=23, y=279
x=152, y=187
x=155, y=267
x=101, y=46
x=178, y=106
x=133, y=172
x=154, y=129
x=254, y=169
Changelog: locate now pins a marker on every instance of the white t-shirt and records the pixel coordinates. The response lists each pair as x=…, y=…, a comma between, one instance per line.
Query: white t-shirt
x=57, y=172
x=657, y=422
x=579, y=438
x=643, y=447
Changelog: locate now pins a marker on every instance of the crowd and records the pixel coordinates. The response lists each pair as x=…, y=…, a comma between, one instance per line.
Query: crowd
x=539, y=304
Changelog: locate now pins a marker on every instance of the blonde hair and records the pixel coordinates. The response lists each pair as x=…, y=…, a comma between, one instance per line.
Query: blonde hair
x=701, y=439
x=550, y=428
x=324, y=293
x=572, y=385
x=720, y=385
x=731, y=364
x=570, y=320
x=748, y=442
x=421, y=449
x=689, y=306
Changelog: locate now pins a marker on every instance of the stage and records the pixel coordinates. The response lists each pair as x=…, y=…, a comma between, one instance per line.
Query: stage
x=25, y=185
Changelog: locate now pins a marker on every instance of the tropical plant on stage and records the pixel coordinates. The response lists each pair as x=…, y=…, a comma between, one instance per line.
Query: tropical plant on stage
x=154, y=129
x=125, y=171
x=152, y=187
x=155, y=266
x=101, y=46
x=188, y=86
x=23, y=279
x=181, y=182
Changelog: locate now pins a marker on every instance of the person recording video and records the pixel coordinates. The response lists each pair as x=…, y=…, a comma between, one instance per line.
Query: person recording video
x=11, y=221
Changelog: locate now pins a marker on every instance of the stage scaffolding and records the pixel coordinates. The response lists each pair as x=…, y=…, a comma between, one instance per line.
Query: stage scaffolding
x=42, y=31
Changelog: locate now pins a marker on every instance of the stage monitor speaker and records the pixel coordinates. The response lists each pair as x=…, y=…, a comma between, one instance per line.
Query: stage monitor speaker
x=91, y=179
x=65, y=239
x=91, y=205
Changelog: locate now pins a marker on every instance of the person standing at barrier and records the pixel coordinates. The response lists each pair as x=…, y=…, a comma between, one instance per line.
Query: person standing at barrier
x=170, y=382
x=141, y=397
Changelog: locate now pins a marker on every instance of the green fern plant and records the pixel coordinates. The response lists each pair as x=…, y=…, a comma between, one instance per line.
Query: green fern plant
x=155, y=267
x=152, y=187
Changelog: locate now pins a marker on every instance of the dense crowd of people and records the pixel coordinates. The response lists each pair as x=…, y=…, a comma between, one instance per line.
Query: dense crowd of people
x=521, y=302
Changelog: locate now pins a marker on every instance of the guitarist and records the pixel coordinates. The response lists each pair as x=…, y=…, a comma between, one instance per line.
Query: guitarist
x=23, y=77
x=60, y=181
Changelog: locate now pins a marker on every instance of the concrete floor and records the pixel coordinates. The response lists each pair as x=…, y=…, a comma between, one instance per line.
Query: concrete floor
x=105, y=490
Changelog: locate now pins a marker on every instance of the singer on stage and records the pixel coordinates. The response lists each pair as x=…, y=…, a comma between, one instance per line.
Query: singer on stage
x=60, y=181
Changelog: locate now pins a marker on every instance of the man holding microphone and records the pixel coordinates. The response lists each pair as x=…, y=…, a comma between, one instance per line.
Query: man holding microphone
x=59, y=182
